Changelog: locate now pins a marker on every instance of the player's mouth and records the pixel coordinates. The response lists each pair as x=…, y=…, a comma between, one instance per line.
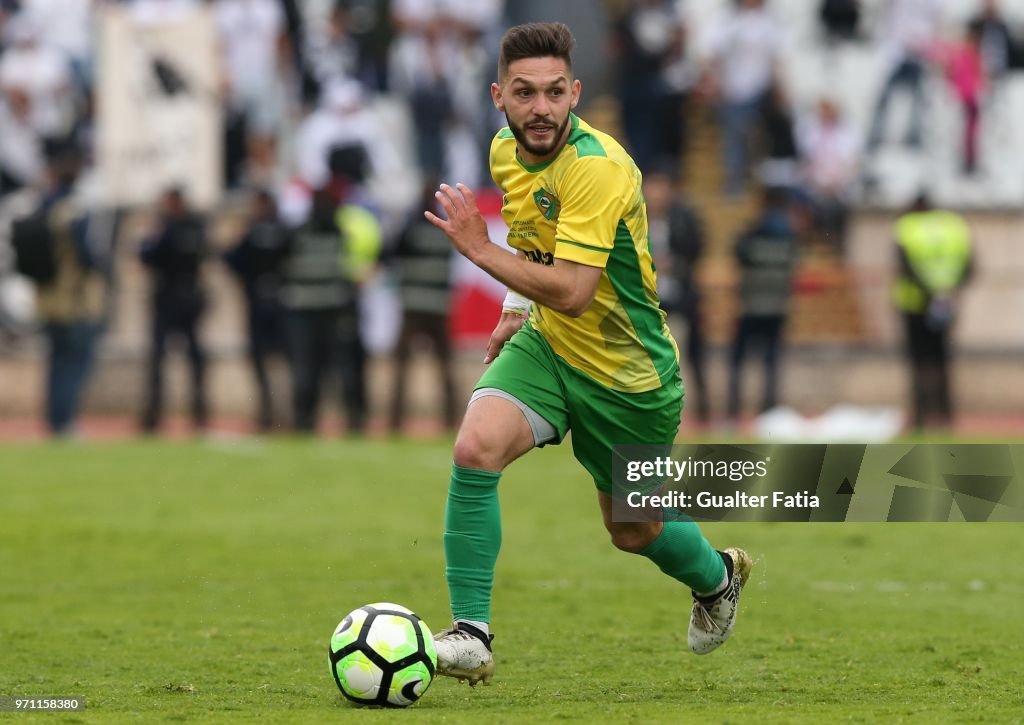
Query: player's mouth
x=541, y=129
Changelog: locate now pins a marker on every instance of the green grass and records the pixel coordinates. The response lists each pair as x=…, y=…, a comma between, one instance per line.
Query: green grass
x=171, y=582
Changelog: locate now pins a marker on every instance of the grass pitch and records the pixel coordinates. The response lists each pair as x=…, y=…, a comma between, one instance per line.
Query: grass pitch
x=169, y=582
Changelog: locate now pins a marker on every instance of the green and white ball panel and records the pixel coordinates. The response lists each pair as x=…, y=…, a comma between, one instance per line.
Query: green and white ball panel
x=348, y=630
x=359, y=677
x=409, y=684
x=392, y=637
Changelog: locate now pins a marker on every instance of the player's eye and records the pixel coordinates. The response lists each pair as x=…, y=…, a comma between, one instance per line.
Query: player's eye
x=523, y=93
x=556, y=92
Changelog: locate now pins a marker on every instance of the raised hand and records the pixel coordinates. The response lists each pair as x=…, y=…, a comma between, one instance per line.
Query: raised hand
x=465, y=225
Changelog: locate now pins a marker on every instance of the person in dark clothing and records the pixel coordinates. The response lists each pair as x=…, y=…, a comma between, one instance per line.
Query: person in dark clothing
x=423, y=257
x=257, y=260
x=676, y=231
x=649, y=40
x=935, y=259
x=174, y=257
x=767, y=254
x=313, y=294
x=320, y=289
x=841, y=19
x=361, y=235
x=780, y=166
x=998, y=46
x=72, y=302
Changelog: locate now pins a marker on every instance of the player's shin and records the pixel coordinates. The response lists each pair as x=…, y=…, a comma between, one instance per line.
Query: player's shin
x=682, y=552
x=472, y=539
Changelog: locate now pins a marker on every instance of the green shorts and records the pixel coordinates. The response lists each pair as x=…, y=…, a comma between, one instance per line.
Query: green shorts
x=568, y=399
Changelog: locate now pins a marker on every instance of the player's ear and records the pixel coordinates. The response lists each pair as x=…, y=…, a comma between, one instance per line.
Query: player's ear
x=496, y=97
x=574, y=96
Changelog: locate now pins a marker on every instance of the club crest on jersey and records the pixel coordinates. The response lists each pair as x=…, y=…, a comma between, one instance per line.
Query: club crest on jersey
x=546, y=202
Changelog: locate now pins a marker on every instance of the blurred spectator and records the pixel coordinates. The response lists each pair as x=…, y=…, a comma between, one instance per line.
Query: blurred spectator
x=841, y=20
x=256, y=49
x=341, y=119
x=345, y=119
x=909, y=27
x=330, y=256
x=257, y=259
x=174, y=257
x=767, y=254
x=649, y=41
x=297, y=49
x=331, y=50
x=421, y=75
x=21, y=148
x=997, y=42
x=423, y=257
x=964, y=67
x=780, y=165
x=71, y=295
x=313, y=294
x=42, y=74
x=676, y=232
x=351, y=42
x=935, y=262
x=69, y=31
x=745, y=48
x=830, y=154
x=444, y=39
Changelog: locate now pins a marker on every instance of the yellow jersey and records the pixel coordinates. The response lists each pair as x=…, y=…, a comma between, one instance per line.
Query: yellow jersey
x=586, y=206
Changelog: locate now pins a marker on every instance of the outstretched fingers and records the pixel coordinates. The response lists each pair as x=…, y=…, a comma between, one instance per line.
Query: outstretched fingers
x=449, y=200
x=459, y=205
x=468, y=197
x=437, y=221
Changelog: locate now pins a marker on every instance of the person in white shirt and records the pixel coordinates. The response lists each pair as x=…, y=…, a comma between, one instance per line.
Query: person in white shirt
x=344, y=118
x=42, y=74
x=254, y=41
x=744, y=49
x=21, y=149
x=69, y=31
x=910, y=27
x=830, y=152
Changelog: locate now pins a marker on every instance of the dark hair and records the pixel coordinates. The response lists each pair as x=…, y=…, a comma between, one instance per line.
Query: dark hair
x=535, y=40
x=348, y=161
x=775, y=197
x=922, y=201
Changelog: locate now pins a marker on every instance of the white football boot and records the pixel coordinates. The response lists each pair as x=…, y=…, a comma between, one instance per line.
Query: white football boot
x=464, y=652
x=712, y=620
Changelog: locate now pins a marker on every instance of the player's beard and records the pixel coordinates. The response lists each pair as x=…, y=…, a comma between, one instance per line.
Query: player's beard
x=535, y=149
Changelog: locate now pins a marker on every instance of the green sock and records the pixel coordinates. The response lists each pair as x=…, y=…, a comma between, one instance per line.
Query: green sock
x=682, y=552
x=472, y=539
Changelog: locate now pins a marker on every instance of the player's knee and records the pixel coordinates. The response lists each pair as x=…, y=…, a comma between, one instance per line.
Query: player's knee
x=473, y=451
x=633, y=538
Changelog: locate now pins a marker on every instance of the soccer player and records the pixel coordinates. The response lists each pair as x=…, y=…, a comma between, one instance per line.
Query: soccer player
x=591, y=354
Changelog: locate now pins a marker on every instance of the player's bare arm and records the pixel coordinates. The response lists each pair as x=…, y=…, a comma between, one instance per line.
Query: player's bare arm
x=508, y=324
x=565, y=287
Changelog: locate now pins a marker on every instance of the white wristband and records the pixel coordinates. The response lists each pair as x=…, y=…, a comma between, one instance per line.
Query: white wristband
x=516, y=303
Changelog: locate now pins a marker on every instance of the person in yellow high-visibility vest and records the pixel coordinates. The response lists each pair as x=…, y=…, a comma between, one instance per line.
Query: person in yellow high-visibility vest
x=936, y=259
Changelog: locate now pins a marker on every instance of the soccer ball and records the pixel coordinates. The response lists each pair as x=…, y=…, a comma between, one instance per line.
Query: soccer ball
x=382, y=654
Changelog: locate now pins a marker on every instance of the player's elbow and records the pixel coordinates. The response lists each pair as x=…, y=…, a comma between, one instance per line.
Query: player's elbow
x=577, y=309
x=573, y=290
x=575, y=302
